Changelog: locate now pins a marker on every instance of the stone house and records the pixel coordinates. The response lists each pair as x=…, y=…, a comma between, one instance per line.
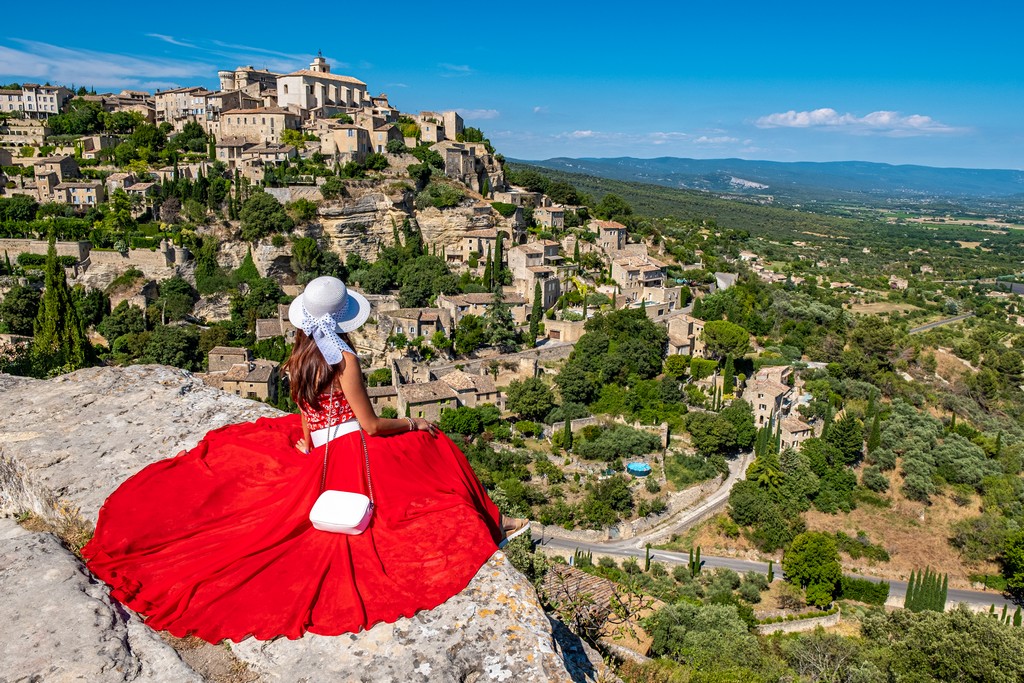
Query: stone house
x=222, y=358
x=793, y=432
x=180, y=105
x=768, y=399
x=23, y=132
x=473, y=390
x=383, y=397
x=419, y=322
x=267, y=328
x=51, y=172
x=258, y=125
x=634, y=273
x=34, y=100
x=270, y=153
x=126, y=101
x=564, y=330
x=345, y=142
x=534, y=263
x=316, y=88
x=224, y=101
x=480, y=304
x=685, y=335
x=85, y=193
x=229, y=149
x=550, y=216
x=426, y=399
x=611, y=235
x=233, y=370
x=520, y=198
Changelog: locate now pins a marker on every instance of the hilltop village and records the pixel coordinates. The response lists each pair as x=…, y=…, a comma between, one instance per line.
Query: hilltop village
x=830, y=397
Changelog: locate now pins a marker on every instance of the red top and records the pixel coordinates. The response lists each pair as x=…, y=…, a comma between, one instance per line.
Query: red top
x=332, y=412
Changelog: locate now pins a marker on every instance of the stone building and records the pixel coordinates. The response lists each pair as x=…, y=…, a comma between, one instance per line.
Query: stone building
x=245, y=77
x=260, y=125
x=180, y=105
x=550, y=216
x=685, y=335
x=768, y=399
x=634, y=273
x=794, y=432
x=611, y=235
x=426, y=399
x=23, y=132
x=127, y=101
x=318, y=91
x=343, y=142
x=35, y=101
x=532, y=263
x=267, y=328
x=80, y=194
x=235, y=371
x=49, y=173
x=473, y=390
x=480, y=304
x=419, y=322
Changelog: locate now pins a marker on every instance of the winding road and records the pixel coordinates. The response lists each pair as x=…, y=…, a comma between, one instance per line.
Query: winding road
x=554, y=538
x=937, y=323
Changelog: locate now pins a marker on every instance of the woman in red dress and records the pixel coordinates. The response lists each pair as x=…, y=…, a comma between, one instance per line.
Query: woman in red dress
x=217, y=542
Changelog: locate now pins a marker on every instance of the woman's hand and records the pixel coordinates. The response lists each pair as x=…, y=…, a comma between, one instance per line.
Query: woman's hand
x=425, y=426
x=302, y=446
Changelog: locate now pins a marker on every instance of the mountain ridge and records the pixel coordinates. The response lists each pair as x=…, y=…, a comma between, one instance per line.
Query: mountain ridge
x=800, y=181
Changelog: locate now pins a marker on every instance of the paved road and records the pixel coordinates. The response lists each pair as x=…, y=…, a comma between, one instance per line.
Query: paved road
x=897, y=589
x=956, y=319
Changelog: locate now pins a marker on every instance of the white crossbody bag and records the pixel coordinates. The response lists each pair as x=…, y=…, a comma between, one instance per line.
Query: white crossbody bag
x=343, y=512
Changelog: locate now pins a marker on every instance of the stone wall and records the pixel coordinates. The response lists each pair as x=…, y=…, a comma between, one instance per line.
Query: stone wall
x=13, y=247
x=798, y=625
x=143, y=259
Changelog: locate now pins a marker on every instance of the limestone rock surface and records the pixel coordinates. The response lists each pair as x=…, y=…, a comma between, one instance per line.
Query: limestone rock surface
x=59, y=624
x=74, y=438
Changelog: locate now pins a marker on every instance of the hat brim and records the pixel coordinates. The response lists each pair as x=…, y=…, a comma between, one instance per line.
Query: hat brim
x=355, y=313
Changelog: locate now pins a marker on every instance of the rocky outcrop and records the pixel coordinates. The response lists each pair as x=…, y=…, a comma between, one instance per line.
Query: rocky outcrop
x=59, y=624
x=363, y=222
x=68, y=442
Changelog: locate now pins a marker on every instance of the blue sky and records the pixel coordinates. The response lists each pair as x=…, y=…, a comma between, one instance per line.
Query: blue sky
x=897, y=82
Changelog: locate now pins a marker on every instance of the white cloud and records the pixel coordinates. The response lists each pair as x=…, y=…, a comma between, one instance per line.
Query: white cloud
x=540, y=109
x=398, y=85
x=55, y=64
x=888, y=123
x=453, y=70
x=170, y=39
x=715, y=140
x=661, y=138
x=479, y=114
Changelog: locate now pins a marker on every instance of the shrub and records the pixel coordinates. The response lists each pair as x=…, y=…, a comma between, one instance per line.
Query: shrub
x=440, y=196
x=529, y=428
x=874, y=479
x=863, y=590
x=506, y=210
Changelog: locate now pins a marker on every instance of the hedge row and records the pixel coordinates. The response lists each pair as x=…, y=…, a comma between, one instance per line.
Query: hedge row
x=799, y=617
x=863, y=590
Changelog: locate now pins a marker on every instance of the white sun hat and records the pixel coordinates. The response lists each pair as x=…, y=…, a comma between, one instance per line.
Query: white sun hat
x=326, y=308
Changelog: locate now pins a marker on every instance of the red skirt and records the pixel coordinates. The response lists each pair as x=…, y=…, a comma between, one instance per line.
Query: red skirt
x=216, y=542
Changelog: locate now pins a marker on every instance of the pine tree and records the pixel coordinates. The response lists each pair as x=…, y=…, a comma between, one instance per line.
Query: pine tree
x=59, y=340
x=728, y=377
x=536, y=313
x=875, y=436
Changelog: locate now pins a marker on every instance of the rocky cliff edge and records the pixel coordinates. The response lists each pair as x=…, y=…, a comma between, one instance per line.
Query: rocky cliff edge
x=66, y=443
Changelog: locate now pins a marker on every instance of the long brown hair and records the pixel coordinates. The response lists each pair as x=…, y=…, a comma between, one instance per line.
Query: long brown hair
x=309, y=375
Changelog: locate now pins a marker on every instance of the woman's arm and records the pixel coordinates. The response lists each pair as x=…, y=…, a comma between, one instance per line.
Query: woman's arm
x=355, y=394
x=306, y=444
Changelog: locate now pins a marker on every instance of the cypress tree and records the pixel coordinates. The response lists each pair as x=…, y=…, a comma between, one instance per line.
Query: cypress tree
x=647, y=564
x=828, y=419
x=908, y=599
x=698, y=309
x=576, y=252
x=536, y=313
x=944, y=593
x=728, y=376
x=488, y=271
x=771, y=570
x=58, y=337
x=697, y=559
x=1017, y=617
x=1002, y=617
x=875, y=436
x=999, y=435
x=567, y=438
x=952, y=422
x=499, y=259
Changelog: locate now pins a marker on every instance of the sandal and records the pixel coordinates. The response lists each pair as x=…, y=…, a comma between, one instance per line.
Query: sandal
x=522, y=526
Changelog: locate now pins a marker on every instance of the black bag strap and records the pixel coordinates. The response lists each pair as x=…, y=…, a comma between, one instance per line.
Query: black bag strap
x=327, y=446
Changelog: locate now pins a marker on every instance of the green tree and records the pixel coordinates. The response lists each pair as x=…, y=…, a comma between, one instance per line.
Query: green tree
x=59, y=340
x=332, y=187
x=470, y=335
x=575, y=384
x=723, y=338
x=812, y=562
x=462, y=420
x=19, y=310
x=531, y=399
x=1012, y=560
x=174, y=345
x=124, y=319
x=612, y=207
x=263, y=215
x=728, y=377
x=847, y=436
x=536, y=312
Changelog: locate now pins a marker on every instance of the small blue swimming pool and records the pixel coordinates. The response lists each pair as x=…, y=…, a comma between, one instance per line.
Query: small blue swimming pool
x=638, y=469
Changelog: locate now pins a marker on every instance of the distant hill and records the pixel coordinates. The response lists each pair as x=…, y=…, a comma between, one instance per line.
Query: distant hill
x=797, y=182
